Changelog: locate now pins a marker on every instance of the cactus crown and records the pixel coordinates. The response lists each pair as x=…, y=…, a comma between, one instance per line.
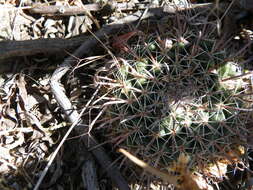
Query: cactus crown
x=171, y=100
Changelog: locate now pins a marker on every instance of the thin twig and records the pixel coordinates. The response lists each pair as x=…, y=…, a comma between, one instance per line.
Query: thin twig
x=75, y=121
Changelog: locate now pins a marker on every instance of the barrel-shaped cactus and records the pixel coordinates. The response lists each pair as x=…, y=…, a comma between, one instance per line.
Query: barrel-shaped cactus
x=168, y=101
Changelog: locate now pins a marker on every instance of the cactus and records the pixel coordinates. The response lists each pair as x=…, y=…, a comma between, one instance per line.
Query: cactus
x=174, y=101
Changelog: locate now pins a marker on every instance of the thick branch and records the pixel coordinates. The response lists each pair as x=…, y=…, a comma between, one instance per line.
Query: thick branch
x=10, y=49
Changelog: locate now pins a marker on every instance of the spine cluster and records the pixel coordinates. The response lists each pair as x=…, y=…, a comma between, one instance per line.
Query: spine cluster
x=176, y=100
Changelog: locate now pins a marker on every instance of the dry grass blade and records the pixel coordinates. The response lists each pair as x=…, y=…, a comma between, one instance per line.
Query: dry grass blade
x=75, y=119
x=178, y=175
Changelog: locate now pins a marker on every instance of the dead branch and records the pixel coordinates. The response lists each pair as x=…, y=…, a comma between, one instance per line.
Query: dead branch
x=10, y=49
x=63, y=10
x=52, y=10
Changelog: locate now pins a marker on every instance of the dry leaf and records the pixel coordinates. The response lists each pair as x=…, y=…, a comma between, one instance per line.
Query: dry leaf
x=120, y=42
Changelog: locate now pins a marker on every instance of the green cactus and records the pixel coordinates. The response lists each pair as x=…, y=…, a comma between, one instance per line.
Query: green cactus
x=173, y=101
